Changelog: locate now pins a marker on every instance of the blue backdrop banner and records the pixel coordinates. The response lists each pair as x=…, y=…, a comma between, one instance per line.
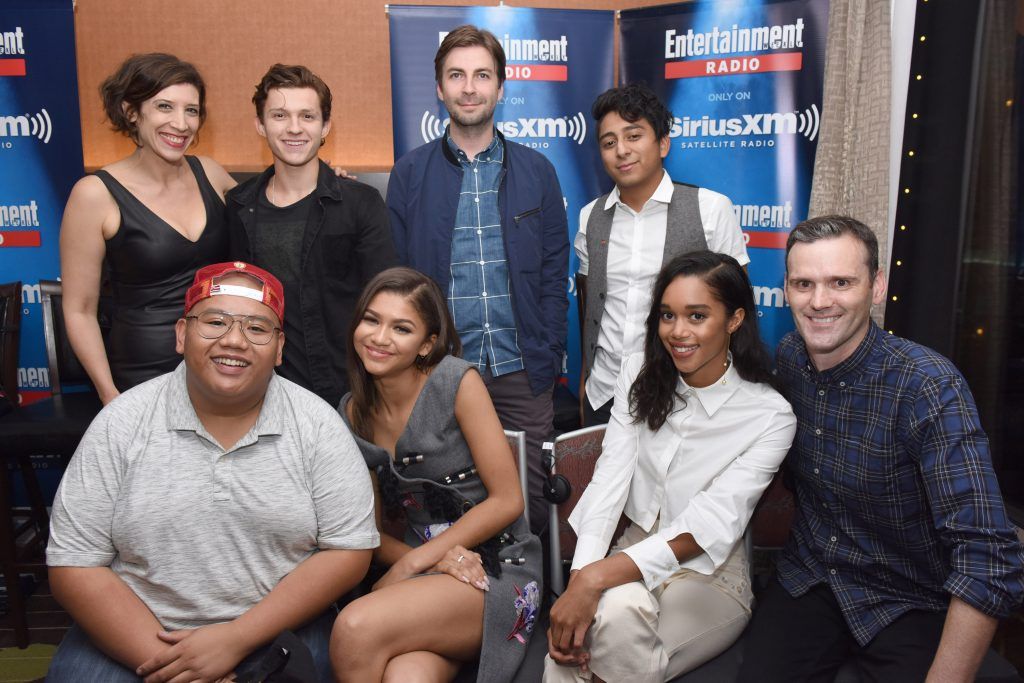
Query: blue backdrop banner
x=40, y=159
x=744, y=81
x=559, y=61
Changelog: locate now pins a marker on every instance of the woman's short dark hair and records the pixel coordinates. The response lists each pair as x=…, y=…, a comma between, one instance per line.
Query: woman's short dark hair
x=653, y=394
x=141, y=77
x=426, y=297
x=291, y=76
x=470, y=36
x=634, y=102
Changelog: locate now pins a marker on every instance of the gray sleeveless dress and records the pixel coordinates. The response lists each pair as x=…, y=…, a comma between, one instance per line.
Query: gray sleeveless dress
x=433, y=480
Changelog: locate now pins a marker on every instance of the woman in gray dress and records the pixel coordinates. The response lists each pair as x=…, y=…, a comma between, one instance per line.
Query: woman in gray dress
x=464, y=581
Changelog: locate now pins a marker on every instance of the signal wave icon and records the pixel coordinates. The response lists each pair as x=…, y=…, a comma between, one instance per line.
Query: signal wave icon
x=36, y=125
x=42, y=127
x=431, y=127
x=578, y=128
x=808, y=121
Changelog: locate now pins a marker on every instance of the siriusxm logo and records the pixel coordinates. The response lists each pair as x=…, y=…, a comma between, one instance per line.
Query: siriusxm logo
x=36, y=125
x=770, y=297
x=573, y=128
x=776, y=123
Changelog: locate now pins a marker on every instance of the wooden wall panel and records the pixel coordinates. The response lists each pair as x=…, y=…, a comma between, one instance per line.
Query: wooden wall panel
x=233, y=42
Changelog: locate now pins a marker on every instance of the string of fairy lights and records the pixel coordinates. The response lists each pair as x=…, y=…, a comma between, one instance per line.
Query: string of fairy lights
x=914, y=157
x=912, y=133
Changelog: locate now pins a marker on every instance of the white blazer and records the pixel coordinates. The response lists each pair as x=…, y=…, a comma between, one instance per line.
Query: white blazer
x=701, y=473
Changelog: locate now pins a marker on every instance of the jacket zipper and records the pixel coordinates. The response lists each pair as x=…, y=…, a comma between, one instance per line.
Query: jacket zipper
x=525, y=214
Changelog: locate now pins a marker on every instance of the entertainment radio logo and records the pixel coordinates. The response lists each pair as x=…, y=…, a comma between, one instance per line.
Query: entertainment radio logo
x=12, y=51
x=727, y=51
x=747, y=126
x=25, y=218
x=571, y=127
x=26, y=125
x=533, y=59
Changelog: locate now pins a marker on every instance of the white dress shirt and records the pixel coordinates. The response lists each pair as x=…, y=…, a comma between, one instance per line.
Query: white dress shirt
x=635, y=250
x=702, y=473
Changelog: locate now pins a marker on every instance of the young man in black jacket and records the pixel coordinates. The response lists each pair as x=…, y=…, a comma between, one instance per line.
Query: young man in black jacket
x=324, y=236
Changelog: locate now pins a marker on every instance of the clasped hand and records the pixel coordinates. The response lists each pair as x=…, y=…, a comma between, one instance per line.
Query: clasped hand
x=209, y=653
x=571, y=617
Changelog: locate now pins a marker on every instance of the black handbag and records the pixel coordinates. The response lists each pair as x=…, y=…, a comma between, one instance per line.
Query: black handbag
x=287, y=660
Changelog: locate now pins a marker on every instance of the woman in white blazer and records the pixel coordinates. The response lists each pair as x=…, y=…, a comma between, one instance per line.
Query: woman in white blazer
x=696, y=433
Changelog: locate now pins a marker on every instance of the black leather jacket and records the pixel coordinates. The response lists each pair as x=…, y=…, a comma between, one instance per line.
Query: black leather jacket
x=347, y=241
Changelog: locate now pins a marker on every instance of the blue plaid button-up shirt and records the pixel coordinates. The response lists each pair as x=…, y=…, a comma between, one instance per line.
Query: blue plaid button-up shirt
x=479, y=295
x=898, y=506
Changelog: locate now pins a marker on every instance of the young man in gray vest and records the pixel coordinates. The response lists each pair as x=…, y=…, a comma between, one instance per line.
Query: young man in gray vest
x=626, y=235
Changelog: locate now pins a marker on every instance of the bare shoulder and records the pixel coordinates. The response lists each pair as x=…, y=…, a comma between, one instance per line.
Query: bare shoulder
x=90, y=199
x=472, y=382
x=472, y=397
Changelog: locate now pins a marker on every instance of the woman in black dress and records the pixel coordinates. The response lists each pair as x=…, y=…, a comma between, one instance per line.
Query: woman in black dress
x=154, y=218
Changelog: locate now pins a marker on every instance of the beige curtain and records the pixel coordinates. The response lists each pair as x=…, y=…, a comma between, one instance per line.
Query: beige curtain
x=851, y=169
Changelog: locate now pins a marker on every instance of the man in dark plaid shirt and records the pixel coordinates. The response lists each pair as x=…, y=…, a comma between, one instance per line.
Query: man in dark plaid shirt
x=901, y=555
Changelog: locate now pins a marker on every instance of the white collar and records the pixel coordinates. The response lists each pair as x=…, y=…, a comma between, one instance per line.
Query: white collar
x=662, y=193
x=714, y=396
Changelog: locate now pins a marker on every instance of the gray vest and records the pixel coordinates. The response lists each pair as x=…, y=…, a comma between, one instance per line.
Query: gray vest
x=684, y=232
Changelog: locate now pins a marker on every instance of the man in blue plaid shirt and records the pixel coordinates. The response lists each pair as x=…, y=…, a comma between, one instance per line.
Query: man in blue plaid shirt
x=901, y=555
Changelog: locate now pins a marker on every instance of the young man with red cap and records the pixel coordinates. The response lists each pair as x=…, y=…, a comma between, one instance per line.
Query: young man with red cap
x=209, y=509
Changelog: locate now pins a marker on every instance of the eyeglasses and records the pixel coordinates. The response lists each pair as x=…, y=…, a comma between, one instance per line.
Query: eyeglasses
x=214, y=325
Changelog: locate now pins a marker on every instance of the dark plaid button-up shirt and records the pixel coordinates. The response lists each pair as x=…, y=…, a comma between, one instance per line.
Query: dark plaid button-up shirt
x=898, y=506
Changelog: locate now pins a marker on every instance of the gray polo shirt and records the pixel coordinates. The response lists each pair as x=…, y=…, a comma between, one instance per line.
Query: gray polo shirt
x=199, y=533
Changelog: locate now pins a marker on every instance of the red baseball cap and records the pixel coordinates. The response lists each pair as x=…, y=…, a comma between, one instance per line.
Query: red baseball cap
x=204, y=286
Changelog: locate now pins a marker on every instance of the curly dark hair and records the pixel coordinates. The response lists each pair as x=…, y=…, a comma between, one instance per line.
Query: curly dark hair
x=653, y=394
x=634, y=102
x=139, y=78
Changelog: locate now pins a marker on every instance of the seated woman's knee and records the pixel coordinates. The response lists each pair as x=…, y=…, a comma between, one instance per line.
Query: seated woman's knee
x=408, y=674
x=354, y=625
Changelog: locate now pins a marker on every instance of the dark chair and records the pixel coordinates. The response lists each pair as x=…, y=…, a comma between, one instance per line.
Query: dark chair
x=51, y=426
x=10, y=336
x=575, y=454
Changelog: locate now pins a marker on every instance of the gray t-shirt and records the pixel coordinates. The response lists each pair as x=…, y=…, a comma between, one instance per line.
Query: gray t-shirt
x=201, y=534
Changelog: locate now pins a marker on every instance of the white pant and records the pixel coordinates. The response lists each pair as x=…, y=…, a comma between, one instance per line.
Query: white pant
x=643, y=636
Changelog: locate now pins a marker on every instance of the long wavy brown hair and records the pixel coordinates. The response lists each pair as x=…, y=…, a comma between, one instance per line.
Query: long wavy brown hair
x=425, y=296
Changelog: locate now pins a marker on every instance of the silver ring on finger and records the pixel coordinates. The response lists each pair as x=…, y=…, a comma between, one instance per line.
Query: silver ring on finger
x=461, y=558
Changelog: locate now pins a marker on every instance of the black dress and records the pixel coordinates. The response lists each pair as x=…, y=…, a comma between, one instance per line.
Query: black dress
x=151, y=265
